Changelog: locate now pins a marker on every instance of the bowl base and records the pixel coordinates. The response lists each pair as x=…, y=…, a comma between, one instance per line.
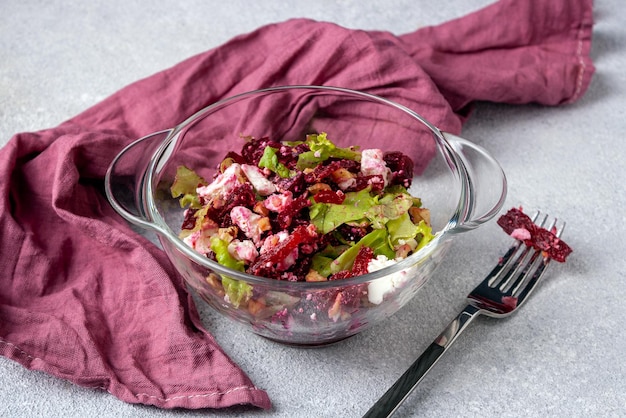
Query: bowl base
x=307, y=345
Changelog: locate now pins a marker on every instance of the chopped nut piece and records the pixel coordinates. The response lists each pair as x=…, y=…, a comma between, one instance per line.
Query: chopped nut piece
x=314, y=276
x=260, y=208
x=318, y=187
x=420, y=214
x=255, y=306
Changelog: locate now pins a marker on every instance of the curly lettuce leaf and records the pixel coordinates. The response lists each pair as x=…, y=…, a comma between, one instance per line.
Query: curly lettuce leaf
x=328, y=216
x=321, y=264
x=377, y=240
x=237, y=291
x=269, y=160
x=402, y=228
x=220, y=248
x=426, y=233
x=186, y=181
x=390, y=206
x=321, y=149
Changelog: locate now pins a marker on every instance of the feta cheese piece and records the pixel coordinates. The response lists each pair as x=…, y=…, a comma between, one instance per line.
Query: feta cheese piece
x=279, y=201
x=260, y=183
x=372, y=164
x=521, y=234
x=243, y=250
x=199, y=241
x=377, y=289
x=222, y=185
x=248, y=222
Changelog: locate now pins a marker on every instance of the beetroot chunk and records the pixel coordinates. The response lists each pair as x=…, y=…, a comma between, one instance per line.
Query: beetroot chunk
x=517, y=224
x=242, y=195
x=330, y=196
x=294, y=212
x=264, y=265
x=401, y=166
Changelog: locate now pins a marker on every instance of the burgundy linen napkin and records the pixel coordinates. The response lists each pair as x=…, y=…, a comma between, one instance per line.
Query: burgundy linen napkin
x=84, y=298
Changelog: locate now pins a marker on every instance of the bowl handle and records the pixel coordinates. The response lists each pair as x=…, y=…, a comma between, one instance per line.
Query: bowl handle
x=124, y=182
x=487, y=183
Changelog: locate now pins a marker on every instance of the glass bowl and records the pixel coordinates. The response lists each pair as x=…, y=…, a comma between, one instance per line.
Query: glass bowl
x=461, y=184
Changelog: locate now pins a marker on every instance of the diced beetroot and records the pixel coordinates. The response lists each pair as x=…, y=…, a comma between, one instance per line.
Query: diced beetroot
x=401, y=166
x=351, y=295
x=375, y=182
x=293, y=211
x=321, y=172
x=287, y=155
x=264, y=264
x=352, y=233
x=295, y=184
x=362, y=259
x=253, y=150
x=330, y=196
x=301, y=267
x=189, y=222
x=242, y=195
x=540, y=238
x=553, y=246
x=359, y=267
x=515, y=219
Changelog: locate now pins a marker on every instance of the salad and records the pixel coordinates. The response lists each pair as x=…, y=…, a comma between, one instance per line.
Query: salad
x=303, y=211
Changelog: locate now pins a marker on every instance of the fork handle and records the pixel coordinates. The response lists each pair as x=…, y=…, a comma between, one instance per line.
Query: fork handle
x=403, y=387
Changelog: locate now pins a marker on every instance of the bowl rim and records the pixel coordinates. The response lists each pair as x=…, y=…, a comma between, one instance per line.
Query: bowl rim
x=159, y=158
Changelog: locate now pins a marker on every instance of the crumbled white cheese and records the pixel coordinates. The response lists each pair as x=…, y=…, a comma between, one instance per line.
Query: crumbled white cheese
x=377, y=289
x=243, y=250
x=260, y=183
x=521, y=234
x=200, y=241
x=248, y=222
x=373, y=164
x=222, y=185
x=278, y=201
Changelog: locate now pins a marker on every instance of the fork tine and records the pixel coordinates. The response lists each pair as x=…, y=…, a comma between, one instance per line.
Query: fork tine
x=502, y=272
x=522, y=292
x=526, y=260
x=525, y=275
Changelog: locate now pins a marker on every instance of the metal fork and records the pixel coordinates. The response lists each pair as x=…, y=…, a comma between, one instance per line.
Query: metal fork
x=504, y=290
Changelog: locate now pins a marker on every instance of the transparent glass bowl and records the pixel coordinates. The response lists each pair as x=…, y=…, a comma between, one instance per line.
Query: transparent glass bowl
x=461, y=184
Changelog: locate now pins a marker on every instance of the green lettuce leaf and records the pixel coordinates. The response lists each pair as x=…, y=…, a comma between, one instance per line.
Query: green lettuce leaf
x=238, y=292
x=401, y=228
x=269, y=160
x=220, y=248
x=426, y=233
x=390, y=206
x=321, y=264
x=377, y=240
x=186, y=181
x=328, y=216
x=321, y=149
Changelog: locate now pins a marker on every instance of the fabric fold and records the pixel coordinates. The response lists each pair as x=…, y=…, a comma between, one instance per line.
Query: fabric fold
x=514, y=52
x=85, y=298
